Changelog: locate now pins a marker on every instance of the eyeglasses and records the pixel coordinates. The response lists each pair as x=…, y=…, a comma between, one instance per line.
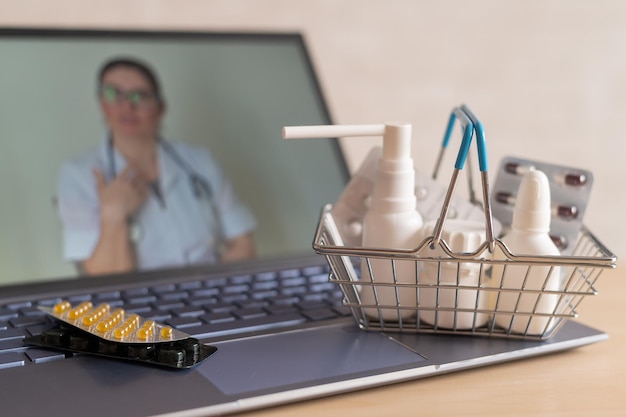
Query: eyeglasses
x=139, y=98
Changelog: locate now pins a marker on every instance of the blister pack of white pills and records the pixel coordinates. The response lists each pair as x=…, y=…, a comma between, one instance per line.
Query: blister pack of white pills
x=570, y=191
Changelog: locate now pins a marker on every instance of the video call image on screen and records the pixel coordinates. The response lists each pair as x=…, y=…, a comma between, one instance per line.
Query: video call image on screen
x=228, y=93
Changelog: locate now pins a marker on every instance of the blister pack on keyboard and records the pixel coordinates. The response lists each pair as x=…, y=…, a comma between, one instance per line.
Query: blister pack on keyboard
x=114, y=333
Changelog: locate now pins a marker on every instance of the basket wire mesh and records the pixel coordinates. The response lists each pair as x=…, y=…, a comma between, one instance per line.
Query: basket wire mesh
x=455, y=301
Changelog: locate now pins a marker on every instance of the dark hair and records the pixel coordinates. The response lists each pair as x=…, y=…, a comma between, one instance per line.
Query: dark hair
x=138, y=66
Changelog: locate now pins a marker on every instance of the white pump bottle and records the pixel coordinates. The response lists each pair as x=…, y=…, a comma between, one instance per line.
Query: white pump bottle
x=392, y=220
x=529, y=235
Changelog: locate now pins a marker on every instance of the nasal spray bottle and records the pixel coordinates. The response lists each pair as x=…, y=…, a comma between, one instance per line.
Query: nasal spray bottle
x=529, y=235
x=392, y=220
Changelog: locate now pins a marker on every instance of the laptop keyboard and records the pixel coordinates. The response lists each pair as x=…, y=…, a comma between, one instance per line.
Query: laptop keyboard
x=210, y=308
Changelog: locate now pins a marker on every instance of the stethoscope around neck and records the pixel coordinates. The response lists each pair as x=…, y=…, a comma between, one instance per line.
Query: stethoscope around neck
x=199, y=185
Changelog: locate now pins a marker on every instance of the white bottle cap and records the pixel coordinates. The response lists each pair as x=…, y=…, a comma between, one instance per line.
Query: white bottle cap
x=394, y=187
x=461, y=235
x=532, y=205
x=397, y=141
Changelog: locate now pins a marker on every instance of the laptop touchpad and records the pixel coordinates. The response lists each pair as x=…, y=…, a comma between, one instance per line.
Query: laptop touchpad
x=300, y=356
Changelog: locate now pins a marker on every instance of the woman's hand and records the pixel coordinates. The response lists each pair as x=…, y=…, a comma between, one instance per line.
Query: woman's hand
x=119, y=200
x=121, y=197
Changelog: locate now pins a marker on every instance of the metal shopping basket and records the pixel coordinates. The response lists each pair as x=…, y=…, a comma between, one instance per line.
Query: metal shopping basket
x=448, y=302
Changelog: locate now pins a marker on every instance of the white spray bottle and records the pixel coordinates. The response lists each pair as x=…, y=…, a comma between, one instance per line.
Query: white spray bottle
x=529, y=235
x=392, y=220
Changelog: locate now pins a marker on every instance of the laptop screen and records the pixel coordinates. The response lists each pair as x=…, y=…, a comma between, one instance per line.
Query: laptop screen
x=227, y=93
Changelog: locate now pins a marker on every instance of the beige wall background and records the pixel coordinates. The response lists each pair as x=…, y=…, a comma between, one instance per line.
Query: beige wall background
x=547, y=78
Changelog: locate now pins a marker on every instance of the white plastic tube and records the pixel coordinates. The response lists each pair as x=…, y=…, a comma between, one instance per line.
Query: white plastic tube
x=332, y=131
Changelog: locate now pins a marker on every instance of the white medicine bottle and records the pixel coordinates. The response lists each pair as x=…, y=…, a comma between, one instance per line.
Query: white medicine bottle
x=392, y=222
x=529, y=235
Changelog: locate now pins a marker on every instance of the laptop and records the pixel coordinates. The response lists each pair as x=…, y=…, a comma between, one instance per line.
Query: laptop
x=287, y=337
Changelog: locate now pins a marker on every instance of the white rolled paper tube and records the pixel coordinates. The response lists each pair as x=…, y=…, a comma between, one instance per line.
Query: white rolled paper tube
x=332, y=131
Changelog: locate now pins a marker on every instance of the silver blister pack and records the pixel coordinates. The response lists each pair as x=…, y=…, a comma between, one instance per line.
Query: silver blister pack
x=570, y=190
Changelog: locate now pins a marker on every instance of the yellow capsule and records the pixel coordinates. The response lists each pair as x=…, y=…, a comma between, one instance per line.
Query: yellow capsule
x=143, y=333
x=82, y=308
x=166, y=332
x=98, y=313
x=130, y=323
x=103, y=326
x=89, y=320
x=118, y=313
x=102, y=309
x=147, y=330
x=117, y=316
x=61, y=307
x=120, y=333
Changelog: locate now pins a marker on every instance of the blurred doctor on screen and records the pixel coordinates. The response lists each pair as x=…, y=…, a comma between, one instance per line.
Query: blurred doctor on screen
x=140, y=201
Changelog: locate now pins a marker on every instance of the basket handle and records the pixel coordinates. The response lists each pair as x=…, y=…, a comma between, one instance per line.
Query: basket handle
x=457, y=113
x=471, y=125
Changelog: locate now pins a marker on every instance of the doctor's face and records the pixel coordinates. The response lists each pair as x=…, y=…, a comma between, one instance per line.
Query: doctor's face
x=129, y=103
